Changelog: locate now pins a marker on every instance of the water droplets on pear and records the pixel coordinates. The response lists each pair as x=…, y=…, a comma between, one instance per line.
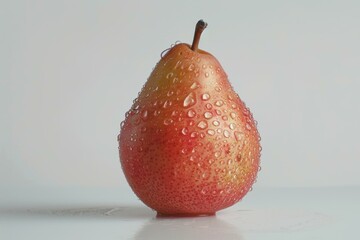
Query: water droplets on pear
x=191, y=67
x=191, y=113
x=205, y=96
x=232, y=126
x=190, y=100
x=144, y=115
x=210, y=132
x=169, y=75
x=202, y=125
x=168, y=121
x=219, y=103
x=238, y=136
x=208, y=115
x=184, y=131
x=216, y=123
x=194, y=85
x=167, y=104
x=226, y=133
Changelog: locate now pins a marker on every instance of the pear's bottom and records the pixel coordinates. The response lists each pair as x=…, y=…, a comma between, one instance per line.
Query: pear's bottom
x=179, y=215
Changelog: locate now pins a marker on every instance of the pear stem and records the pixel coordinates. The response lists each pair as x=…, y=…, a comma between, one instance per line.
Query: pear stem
x=200, y=26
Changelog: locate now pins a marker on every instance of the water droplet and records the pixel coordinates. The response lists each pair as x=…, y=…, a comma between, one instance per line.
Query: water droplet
x=191, y=67
x=136, y=107
x=217, y=154
x=184, y=131
x=202, y=135
x=218, y=112
x=203, y=191
x=216, y=123
x=233, y=115
x=189, y=100
x=194, y=85
x=208, y=115
x=248, y=127
x=156, y=112
x=219, y=103
x=206, y=74
x=202, y=125
x=191, y=123
x=191, y=113
x=226, y=133
x=205, y=97
x=259, y=169
x=238, y=136
x=122, y=124
x=178, y=63
x=170, y=93
x=193, y=134
x=169, y=75
x=211, y=132
x=233, y=106
x=203, y=66
x=168, y=121
x=208, y=106
x=167, y=103
x=232, y=126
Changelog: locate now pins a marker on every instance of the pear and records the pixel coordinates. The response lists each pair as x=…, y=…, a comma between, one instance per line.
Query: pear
x=189, y=145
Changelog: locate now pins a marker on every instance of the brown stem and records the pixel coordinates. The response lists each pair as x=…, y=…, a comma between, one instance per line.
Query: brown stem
x=200, y=26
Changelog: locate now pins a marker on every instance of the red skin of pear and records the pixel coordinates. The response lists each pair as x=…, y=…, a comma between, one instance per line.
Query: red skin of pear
x=189, y=145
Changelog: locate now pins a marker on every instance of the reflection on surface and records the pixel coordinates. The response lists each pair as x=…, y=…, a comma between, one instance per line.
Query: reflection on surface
x=275, y=220
x=188, y=228
x=139, y=222
x=112, y=212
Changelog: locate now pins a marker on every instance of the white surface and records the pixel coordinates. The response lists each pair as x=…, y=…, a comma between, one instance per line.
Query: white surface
x=266, y=213
x=69, y=71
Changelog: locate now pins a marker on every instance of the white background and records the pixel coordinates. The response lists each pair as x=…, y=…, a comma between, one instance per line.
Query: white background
x=69, y=70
